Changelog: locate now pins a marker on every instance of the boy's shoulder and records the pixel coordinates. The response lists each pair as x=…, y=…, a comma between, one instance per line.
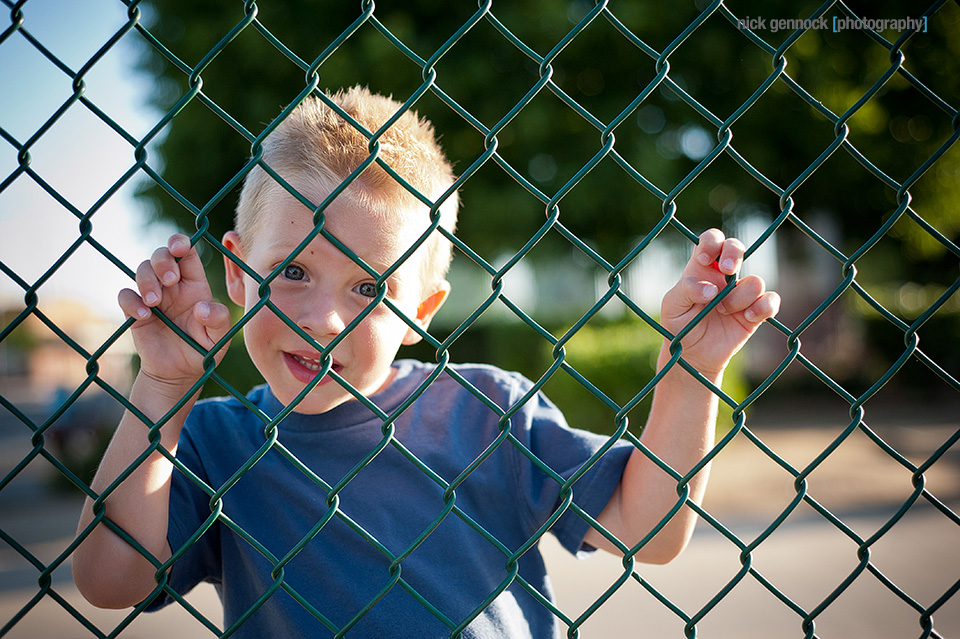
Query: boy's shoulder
x=459, y=387
x=231, y=409
x=460, y=375
x=255, y=397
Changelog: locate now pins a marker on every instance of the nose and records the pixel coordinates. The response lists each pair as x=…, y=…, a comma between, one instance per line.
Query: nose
x=320, y=317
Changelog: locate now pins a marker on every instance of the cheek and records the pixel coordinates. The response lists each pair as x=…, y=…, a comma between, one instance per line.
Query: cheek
x=383, y=331
x=253, y=337
x=266, y=317
x=262, y=327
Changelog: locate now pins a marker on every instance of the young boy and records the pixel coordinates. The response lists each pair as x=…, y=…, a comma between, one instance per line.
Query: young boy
x=392, y=524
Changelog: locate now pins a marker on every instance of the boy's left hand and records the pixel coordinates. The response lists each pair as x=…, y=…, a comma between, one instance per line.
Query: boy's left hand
x=709, y=345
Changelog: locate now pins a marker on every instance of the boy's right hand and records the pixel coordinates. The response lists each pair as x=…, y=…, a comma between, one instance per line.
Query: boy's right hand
x=179, y=289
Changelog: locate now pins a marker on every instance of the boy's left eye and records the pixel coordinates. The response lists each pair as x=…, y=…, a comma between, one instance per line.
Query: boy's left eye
x=294, y=272
x=367, y=289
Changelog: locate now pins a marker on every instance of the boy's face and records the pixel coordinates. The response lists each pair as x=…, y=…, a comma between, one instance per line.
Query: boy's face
x=322, y=291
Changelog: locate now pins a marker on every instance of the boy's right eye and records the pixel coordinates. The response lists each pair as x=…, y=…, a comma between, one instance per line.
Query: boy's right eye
x=294, y=272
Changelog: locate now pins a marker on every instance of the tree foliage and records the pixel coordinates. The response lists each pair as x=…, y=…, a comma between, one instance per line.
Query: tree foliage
x=604, y=72
x=493, y=66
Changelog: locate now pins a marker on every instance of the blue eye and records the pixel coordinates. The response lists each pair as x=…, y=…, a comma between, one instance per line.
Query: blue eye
x=294, y=272
x=367, y=289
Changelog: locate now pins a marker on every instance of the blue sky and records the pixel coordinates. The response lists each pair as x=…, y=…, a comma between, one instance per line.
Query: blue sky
x=79, y=155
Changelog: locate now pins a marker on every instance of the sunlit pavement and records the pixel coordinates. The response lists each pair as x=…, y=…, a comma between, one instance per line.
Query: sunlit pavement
x=806, y=558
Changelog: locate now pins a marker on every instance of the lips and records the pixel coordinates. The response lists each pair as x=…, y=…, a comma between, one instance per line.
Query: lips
x=305, y=368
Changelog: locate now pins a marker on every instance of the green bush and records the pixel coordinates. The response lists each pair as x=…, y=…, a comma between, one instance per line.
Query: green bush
x=618, y=358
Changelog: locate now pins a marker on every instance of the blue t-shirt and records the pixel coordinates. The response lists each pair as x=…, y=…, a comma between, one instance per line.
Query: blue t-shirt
x=395, y=552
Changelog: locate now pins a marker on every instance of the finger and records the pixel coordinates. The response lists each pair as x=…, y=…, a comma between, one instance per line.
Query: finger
x=165, y=266
x=731, y=256
x=766, y=307
x=179, y=245
x=708, y=246
x=149, y=285
x=743, y=295
x=132, y=305
x=189, y=263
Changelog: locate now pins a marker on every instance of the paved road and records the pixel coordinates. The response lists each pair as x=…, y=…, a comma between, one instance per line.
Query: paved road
x=807, y=561
x=807, y=558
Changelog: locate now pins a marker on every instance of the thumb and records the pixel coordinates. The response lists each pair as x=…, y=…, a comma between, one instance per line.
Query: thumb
x=214, y=317
x=687, y=294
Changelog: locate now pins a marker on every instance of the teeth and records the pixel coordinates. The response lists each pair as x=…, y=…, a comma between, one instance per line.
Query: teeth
x=312, y=364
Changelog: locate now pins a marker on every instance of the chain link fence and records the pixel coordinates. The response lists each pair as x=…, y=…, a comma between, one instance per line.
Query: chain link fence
x=884, y=313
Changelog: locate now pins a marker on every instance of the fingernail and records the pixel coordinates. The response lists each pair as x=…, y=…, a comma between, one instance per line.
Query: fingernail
x=710, y=291
x=143, y=313
x=750, y=315
x=203, y=310
x=728, y=264
x=169, y=278
x=151, y=298
x=704, y=259
x=177, y=245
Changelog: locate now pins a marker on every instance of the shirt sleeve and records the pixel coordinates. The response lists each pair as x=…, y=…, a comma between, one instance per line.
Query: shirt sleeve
x=554, y=453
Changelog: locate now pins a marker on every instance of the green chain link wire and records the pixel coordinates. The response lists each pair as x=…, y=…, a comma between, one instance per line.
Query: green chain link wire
x=606, y=150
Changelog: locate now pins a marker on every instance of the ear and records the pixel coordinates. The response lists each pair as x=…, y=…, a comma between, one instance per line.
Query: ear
x=236, y=283
x=427, y=309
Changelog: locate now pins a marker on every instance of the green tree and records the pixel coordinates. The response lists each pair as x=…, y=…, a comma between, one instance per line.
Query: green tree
x=548, y=142
x=603, y=70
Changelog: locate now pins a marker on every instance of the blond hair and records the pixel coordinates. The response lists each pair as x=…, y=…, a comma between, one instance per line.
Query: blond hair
x=316, y=144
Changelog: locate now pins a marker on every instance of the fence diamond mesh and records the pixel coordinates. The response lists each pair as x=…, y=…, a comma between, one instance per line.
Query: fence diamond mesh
x=903, y=322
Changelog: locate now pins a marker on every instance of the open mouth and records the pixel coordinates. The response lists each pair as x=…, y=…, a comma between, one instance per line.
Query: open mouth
x=312, y=364
x=306, y=368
